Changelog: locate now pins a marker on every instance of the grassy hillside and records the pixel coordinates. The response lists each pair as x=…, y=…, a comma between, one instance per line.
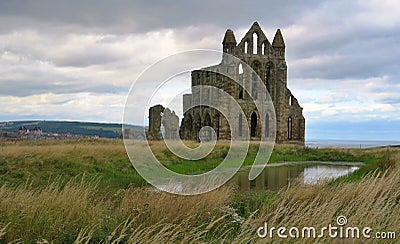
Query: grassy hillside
x=45, y=161
x=106, y=130
x=88, y=190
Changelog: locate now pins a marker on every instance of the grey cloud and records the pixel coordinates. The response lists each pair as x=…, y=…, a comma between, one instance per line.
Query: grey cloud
x=363, y=42
x=393, y=100
x=23, y=88
x=355, y=59
x=329, y=43
x=134, y=16
x=88, y=58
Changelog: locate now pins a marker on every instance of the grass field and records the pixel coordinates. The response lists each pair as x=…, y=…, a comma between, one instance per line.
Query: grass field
x=83, y=191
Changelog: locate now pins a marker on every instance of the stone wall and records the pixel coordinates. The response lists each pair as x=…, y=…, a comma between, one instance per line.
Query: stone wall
x=160, y=117
x=268, y=60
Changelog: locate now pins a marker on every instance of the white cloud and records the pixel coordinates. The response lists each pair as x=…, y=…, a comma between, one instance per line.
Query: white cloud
x=76, y=106
x=343, y=57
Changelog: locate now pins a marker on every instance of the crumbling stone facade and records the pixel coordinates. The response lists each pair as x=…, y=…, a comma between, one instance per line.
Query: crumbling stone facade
x=268, y=60
x=162, y=123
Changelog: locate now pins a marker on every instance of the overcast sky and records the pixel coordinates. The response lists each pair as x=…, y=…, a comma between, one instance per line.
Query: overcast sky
x=75, y=60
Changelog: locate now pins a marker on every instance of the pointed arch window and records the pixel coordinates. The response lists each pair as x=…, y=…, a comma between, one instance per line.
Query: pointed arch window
x=241, y=81
x=254, y=86
x=216, y=123
x=267, y=125
x=255, y=42
x=245, y=47
x=240, y=124
x=253, y=124
x=290, y=128
x=268, y=78
x=241, y=93
x=299, y=129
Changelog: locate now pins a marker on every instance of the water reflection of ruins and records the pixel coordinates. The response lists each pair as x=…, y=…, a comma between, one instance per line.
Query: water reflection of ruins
x=274, y=178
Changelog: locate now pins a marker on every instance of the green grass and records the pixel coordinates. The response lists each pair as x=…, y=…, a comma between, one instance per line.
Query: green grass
x=42, y=161
x=281, y=153
x=75, y=211
x=66, y=191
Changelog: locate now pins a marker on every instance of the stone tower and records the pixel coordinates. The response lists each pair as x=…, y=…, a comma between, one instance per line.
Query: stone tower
x=268, y=61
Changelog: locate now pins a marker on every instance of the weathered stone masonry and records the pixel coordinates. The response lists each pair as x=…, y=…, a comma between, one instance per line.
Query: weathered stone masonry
x=268, y=60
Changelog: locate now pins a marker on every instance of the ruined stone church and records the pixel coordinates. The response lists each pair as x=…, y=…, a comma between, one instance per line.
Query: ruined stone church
x=268, y=61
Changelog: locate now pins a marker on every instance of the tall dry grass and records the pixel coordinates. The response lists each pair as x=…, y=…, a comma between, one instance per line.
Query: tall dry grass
x=150, y=205
x=73, y=212
x=142, y=215
x=55, y=212
x=76, y=211
x=373, y=201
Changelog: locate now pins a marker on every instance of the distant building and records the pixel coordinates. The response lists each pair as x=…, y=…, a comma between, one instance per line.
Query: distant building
x=23, y=130
x=37, y=131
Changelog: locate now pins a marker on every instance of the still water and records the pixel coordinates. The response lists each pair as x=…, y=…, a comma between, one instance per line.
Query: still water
x=276, y=177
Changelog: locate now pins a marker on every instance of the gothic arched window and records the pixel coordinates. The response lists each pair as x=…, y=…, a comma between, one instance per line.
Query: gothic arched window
x=241, y=81
x=255, y=43
x=267, y=125
x=290, y=128
x=240, y=124
x=263, y=49
x=268, y=78
x=254, y=86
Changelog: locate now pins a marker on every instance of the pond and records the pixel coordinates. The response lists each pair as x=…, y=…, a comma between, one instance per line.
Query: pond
x=276, y=176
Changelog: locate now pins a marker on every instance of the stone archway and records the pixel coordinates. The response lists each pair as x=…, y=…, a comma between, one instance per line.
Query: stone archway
x=196, y=127
x=217, y=124
x=253, y=124
x=188, y=127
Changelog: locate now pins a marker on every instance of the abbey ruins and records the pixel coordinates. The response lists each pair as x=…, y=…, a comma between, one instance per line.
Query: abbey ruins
x=268, y=61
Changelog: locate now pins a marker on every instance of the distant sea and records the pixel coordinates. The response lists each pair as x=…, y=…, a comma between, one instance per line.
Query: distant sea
x=350, y=144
